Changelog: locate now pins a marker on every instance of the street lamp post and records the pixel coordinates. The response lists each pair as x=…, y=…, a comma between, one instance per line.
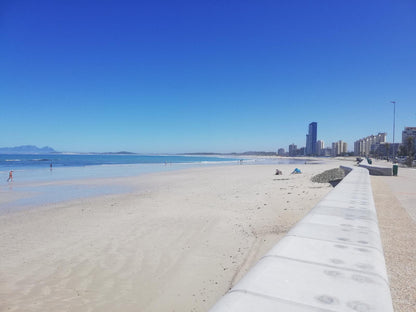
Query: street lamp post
x=394, y=129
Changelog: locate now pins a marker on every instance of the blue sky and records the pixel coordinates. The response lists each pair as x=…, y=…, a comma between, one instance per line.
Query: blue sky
x=191, y=76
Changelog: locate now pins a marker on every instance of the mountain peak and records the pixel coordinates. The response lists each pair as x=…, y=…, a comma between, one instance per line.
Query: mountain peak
x=27, y=149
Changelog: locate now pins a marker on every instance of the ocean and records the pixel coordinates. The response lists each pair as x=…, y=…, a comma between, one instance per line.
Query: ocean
x=51, y=178
x=24, y=161
x=81, y=166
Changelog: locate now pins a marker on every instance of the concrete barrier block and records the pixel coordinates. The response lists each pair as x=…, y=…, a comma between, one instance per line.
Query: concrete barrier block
x=335, y=234
x=246, y=302
x=332, y=260
x=316, y=286
x=332, y=255
x=346, y=224
x=378, y=170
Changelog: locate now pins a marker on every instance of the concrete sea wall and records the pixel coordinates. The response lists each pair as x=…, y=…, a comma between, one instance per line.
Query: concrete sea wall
x=332, y=260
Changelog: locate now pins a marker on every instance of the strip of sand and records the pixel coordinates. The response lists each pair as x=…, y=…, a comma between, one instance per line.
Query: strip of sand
x=178, y=243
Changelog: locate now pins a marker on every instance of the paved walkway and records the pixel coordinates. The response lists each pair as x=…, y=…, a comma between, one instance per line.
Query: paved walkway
x=404, y=188
x=395, y=200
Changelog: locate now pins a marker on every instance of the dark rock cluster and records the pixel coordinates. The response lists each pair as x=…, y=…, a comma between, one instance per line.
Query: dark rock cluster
x=328, y=176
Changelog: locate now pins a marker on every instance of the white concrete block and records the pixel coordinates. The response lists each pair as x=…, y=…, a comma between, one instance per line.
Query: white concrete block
x=246, y=302
x=332, y=260
x=316, y=286
x=335, y=234
x=332, y=255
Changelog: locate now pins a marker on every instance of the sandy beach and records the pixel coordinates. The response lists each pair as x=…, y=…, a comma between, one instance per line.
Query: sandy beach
x=177, y=242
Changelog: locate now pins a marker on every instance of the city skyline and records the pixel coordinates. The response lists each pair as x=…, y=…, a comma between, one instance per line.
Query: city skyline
x=232, y=76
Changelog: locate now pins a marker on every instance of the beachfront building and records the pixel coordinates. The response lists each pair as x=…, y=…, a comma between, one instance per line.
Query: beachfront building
x=327, y=151
x=370, y=144
x=311, y=137
x=281, y=152
x=409, y=132
x=293, y=150
x=339, y=148
x=319, y=148
x=384, y=149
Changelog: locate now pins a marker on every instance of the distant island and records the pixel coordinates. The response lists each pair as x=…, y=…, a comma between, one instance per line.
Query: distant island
x=27, y=149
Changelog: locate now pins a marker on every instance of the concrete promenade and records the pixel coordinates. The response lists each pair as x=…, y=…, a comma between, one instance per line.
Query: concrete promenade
x=395, y=199
x=332, y=260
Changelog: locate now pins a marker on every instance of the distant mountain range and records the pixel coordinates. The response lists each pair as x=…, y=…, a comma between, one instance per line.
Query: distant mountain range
x=27, y=149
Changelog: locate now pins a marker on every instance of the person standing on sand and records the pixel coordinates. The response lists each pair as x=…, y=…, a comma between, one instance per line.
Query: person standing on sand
x=10, y=176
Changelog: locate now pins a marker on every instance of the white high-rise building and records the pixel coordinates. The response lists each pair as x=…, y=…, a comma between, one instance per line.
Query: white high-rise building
x=339, y=148
x=320, y=148
x=364, y=146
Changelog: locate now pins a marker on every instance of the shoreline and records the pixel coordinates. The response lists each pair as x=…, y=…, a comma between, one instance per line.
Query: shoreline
x=42, y=186
x=178, y=241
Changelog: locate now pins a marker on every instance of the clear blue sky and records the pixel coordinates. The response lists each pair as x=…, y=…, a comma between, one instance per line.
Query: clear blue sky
x=189, y=76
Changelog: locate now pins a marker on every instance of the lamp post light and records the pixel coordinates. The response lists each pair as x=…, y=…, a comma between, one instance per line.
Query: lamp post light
x=394, y=129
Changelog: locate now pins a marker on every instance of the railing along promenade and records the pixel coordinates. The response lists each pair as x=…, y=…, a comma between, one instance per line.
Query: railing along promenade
x=332, y=260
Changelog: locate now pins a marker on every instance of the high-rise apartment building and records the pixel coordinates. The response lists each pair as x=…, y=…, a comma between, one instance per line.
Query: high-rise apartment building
x=409, y=132
x=320, y=148
x=311, y=139
x=339, y=148
x=293, y=150
x=363, y=147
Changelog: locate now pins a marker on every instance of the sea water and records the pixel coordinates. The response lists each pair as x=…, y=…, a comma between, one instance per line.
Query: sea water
x=51, y=178
x=81, y=166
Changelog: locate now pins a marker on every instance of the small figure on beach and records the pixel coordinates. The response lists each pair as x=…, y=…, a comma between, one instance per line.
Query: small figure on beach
x=50, y=166
x=296, y=171
x=10, y=179
x=278, y=172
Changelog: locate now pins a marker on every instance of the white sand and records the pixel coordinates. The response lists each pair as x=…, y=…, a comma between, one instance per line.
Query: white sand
x=178, y=243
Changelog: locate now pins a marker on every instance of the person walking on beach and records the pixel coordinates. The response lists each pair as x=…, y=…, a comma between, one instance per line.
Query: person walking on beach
x=10, y=179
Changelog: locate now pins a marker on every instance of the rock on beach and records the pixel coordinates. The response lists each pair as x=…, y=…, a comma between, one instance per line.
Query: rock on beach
x=329, y=175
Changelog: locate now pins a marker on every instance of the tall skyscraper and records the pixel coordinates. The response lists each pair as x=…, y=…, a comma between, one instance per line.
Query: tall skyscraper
x=311, y=139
